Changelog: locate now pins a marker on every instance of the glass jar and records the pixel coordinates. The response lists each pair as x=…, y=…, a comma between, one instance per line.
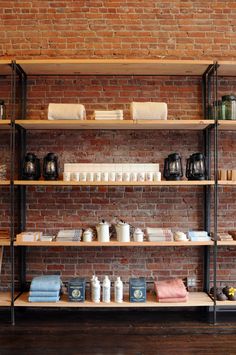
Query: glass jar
x=215, y=111
x=2, y=110
x=229, y=107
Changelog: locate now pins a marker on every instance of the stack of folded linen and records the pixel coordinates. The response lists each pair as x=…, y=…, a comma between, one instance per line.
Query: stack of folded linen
x=159, y=235
x=198, y=236
x=108, y=115
x=148, y=110
x=45, y=289
x=224, y=237
x=180, y=237
x=66, y=112
x=172, y=290
x=73, y=235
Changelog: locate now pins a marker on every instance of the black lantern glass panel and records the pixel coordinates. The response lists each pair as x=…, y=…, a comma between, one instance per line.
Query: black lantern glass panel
x=196, y=167
x=50, y=167
x=173, y=167
x=31, y=167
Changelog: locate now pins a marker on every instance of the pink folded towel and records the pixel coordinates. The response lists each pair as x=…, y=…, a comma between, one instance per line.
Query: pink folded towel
x=173, y=288
x=174, y=300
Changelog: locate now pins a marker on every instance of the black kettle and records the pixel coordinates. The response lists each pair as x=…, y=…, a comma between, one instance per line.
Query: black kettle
x=50, y=167
x=31, y=167
x=173, y=167
x=196, y=167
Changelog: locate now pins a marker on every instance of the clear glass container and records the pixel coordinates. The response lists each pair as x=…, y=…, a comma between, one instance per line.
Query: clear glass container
x=2, y=110
x=229, y=107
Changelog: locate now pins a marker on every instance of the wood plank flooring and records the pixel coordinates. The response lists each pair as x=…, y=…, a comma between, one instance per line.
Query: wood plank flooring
x=86, y=332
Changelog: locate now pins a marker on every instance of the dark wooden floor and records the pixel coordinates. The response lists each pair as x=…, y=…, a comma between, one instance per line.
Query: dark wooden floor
x=65, y=332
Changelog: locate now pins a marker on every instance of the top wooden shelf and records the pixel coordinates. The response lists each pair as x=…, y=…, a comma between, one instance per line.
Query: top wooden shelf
x=5, y=124
x=227, y=125
x=114, y=67
x=5, y=67
x=227, y=68
x=109, y=124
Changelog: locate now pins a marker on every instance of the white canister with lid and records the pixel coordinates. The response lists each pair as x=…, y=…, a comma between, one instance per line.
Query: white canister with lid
x=88, y=235
x=138, y=235
x=103, y=232
x=123, y=232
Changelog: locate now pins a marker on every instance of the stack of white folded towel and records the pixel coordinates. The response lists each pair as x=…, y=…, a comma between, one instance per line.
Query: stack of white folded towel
x=66, y=112
x=69, y=235
x=108, y=115
x=148, y=110
x=159, y=235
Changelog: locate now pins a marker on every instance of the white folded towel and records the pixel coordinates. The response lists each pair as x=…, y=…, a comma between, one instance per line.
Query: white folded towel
x=148, y=110
x=66, y=112
x=108, y=115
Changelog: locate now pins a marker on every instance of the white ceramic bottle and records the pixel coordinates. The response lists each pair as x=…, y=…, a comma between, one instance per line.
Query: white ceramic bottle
x=106, y=290
x=91, y=286
x=118, y=290
x=96, y=290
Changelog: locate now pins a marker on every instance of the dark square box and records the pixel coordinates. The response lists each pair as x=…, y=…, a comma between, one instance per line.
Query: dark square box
x=76, y=289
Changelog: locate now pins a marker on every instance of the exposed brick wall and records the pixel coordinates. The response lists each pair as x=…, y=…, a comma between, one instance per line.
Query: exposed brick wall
x=98, y=28
x=115, y=29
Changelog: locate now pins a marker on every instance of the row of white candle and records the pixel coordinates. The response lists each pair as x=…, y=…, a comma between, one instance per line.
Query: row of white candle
x=112, y=176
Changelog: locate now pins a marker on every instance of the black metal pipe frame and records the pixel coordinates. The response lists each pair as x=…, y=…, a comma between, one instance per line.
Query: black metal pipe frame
x=206, y=92
x=215, y=193
x=206, y=96
x=12, y=188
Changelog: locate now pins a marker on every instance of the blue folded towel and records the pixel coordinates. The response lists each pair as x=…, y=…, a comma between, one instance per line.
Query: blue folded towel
x=46, y=283
x=44, y=293
x=198, y=234
x=43, y=299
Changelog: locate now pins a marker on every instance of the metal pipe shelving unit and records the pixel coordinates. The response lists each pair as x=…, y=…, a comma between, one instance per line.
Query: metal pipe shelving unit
x=209, y=90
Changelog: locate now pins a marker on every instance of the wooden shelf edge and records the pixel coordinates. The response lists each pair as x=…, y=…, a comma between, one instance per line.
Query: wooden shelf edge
x=226, y=243
x=5, y=299
x=123, y=183
x=196, y=299
x=4, y=182
x=116, y=124
x=226, y=183
x=114, y=244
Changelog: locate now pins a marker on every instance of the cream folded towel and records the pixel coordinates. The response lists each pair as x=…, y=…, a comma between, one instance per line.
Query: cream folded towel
x=66, y=112
x=148, y=110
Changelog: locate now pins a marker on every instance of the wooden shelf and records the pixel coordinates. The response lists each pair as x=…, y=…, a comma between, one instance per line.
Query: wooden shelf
x=227, y=125
x=226, y=243
x=196, y=299
x=114, y=244
x=227, y=68
x=226, y=183
x=114, y=67
x=226, y=303
x=4, y=124
x=5, y=67
x=111, y=124
x=5, y=299
x=4, y=182
x=123, y=183
x=5, y=242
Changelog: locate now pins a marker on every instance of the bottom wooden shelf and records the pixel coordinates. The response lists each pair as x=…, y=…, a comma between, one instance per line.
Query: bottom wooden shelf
x=196, y=299
x=5, y=299
x=226, y=303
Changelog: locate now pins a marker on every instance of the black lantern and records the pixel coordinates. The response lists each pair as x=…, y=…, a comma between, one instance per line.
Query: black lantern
x=196, y=167
x=31, y=167
x=173, y=167
x=50, y=167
